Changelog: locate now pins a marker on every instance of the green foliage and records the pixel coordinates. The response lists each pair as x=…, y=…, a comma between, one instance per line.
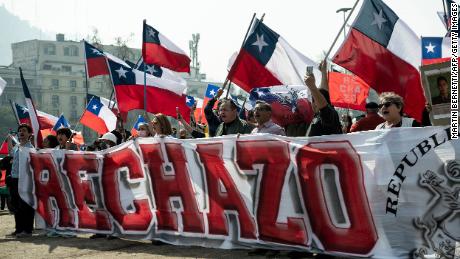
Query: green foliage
x=7, y=121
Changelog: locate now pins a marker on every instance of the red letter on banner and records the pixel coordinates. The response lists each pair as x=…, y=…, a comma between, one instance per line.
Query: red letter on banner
x=361, y=236
x=83, y=192
x=47, y=185
x=216, y=173
x=170, y=185
x=274, y=155
x=113, y=161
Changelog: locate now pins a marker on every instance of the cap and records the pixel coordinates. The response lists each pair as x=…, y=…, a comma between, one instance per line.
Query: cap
x=372, y=105
x=109, y=136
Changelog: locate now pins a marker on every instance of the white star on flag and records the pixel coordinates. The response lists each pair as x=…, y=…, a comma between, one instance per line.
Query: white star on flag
x=378, y=19
x=430, y=48
x=260, y=43
x=212, y=93
x=24, y=110
x=94, y=107
x=121, y=72
x=151, y=69
x=95, y=51
x=151, y=33
x=188, y=100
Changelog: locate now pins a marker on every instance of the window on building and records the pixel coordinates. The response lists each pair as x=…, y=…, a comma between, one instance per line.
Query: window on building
x=9, y=81
x=73, y=83
x=67, y=68
x=47, y=67
x=73, y=115
x=73, y=100
x=50, y=49
x=55, y=100
x=74, y=51
x=55, y=83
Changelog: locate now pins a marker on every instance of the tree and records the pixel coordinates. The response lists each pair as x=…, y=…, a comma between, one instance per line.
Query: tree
x=8, y=121
x=122, y=49
x=95, y=39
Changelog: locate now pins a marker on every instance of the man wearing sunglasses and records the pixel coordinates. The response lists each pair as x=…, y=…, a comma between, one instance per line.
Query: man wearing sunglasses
x=391, y=107
x=263, y=115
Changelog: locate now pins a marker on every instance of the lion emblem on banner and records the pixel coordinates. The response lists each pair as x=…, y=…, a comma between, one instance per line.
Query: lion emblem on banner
x=443, y=208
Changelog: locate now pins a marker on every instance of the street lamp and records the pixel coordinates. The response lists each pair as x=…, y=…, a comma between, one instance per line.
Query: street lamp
x=344, y=10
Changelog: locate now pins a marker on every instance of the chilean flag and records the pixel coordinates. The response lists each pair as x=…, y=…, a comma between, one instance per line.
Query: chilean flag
x=383, y=51
x=47, y=121
x=32, y=112
x=162, y=95
x=96, y=61
x=61, y=123
x=348, y=91
x=290, y=104
x=266, y=59
x=135, y=129
x=160, y=72
x=98, y=117
x=435, y=50
x=159, y=50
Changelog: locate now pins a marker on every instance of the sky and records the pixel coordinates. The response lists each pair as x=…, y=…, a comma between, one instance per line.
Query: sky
x=308, y=25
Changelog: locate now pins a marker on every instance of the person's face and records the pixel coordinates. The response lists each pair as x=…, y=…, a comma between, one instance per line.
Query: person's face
x=226, y=113
x=62, y=139
x=156, y=128
x=390, y=111
x=261, y=114
x=23, y=134
x=46, y=143
x=443, y=88
x=143, y=131
x=182, y=134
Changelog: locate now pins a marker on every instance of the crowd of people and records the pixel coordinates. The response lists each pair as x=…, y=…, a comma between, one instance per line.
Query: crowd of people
x=225, y=120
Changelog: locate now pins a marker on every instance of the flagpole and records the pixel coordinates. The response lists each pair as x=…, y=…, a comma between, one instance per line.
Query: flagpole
x=340, y=31
x=145, y=66
x=242, y=44
x=86, y=86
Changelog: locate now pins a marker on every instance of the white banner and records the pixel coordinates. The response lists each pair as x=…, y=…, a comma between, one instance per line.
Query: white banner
x=391, y=193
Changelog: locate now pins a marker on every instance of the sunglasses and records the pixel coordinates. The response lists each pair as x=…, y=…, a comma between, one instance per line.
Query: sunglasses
x=387, y=104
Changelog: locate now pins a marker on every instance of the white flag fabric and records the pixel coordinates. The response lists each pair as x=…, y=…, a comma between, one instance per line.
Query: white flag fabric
x=2, y=85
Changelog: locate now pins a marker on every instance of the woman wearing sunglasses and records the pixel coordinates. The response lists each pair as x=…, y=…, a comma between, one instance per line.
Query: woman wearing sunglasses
x=391, y=107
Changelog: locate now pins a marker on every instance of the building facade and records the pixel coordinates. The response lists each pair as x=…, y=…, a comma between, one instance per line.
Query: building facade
x=55, y=74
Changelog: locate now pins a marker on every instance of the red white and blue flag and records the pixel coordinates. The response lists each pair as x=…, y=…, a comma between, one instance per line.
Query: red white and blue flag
x=290, y=104
x=98, y=117
x=47, y=121
x=266, y=59
x=163, y=96
x=383, y=51
x=32, y=112
x=435, y=50
x=160, y=72
x=135, y=129
x=190, y=101
x=159, y=50
x=96, y=63
x=61, y=123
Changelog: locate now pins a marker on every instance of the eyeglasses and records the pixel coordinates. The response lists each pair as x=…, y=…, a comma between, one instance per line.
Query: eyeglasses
x=386, y=104
x=261, y=109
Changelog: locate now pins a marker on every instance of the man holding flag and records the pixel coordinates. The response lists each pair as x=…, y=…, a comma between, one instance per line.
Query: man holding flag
x=23, y=212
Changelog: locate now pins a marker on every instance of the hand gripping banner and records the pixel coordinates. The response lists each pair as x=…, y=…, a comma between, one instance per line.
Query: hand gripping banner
x=391, y=193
